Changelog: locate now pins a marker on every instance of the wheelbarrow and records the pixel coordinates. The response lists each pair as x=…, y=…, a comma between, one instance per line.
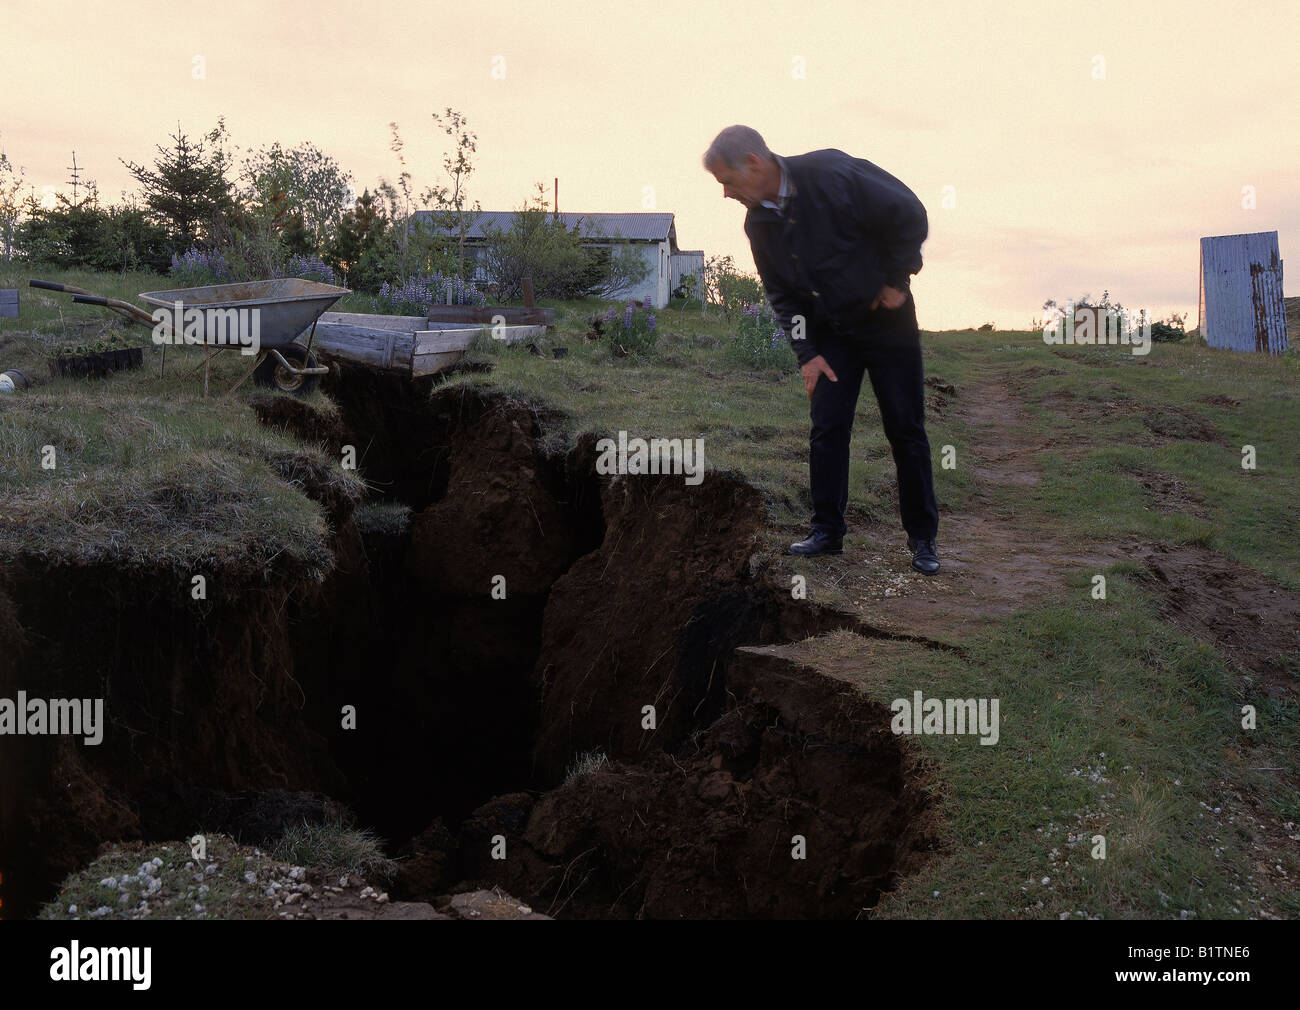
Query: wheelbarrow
x=267, y=316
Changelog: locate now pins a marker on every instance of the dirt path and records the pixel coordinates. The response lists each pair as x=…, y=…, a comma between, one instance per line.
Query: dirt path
x=994, y=562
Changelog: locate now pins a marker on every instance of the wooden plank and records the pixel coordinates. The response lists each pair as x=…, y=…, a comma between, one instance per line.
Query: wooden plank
x=437, y=350
x=513, y=315
x=365, y=345
x=428, y=364
x=9, y=303
x=374, y=321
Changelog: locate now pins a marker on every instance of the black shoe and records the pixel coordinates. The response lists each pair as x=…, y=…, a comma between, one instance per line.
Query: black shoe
x=818, y=543
x=925, y=557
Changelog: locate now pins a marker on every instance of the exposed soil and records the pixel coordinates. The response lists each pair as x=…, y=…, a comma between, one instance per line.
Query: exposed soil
x=1179, y=424
x=713, y=829
x=1237, y=610
x=619, y=594
x=1169, y=494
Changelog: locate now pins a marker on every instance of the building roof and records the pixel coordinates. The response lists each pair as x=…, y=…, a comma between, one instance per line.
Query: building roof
x=640, y=227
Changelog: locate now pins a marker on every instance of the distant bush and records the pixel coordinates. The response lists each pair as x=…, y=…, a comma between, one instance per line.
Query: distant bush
x=758, y=340
x=1170, y=330
x=91, y=237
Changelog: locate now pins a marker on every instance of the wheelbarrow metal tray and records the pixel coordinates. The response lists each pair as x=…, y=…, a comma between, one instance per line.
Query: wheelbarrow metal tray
x=286, y=306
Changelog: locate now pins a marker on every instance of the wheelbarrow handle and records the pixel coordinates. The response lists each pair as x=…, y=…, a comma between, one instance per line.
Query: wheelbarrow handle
x=51, y=286
x=132, y=312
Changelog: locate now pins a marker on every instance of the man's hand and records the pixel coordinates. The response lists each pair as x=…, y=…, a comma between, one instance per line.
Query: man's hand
x=813, y=371
x=890, y=298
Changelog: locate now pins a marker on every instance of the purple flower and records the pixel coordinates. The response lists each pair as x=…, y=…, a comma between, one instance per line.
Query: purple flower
x=650, y=321
x=311, y=268
x=627, y=318
x=199, y=267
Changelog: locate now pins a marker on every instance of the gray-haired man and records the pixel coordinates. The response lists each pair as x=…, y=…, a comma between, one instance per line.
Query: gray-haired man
x=835, y=240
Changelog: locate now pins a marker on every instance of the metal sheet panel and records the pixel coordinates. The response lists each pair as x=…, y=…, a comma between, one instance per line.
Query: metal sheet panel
x=1241, y=293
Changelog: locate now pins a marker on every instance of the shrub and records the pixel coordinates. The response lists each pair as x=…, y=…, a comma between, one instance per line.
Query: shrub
x=633, y=335
x=1170, y=330
x=758, y=340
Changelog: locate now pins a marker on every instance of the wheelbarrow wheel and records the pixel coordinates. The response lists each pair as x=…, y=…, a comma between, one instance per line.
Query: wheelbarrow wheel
x=273, y=374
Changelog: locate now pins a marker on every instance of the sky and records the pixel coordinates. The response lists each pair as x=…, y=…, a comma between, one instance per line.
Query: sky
x=1060, y=149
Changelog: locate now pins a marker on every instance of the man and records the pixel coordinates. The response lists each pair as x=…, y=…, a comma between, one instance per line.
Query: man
x=835, y=240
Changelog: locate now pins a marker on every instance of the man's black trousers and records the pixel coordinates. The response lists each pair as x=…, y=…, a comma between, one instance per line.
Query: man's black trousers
x=893, y=361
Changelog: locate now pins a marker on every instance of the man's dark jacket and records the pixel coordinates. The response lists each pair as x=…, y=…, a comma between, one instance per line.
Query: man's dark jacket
x=848, y=229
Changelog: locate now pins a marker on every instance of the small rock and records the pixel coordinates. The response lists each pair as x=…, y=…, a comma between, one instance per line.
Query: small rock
x=293, y=899
x=72, y=909
x=250, y=877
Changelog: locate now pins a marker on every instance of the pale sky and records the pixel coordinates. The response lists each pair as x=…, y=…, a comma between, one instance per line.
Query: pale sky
x=1088, y=146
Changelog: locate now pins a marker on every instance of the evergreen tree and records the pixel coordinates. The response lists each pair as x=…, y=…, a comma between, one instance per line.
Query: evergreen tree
x=187, y=185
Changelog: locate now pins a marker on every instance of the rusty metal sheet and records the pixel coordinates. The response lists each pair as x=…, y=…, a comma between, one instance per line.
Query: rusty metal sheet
x=1241, y=293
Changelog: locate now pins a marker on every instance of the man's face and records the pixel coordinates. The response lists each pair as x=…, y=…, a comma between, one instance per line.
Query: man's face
x=744, y=183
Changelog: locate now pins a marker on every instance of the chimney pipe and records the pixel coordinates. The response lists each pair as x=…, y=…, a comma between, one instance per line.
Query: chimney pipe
x=557, y=196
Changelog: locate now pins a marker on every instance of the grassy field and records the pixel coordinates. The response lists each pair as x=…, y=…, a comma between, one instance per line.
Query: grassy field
x=1115, y=722
x=146, y=469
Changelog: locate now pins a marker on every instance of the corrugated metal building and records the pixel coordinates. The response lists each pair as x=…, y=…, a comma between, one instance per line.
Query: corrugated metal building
x=652, y=235
x=1241, y=306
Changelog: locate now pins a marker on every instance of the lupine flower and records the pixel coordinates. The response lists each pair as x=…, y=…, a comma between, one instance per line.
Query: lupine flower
x=650, y=321
x=311, y=268
x=197, y=266
x=627, y=318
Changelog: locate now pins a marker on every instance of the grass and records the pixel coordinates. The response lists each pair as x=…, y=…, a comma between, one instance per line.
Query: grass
x=1114, y=723
x=336, y=849
x=165, y=880
x=134, y=880
x=584, y=764
x=136, y=470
